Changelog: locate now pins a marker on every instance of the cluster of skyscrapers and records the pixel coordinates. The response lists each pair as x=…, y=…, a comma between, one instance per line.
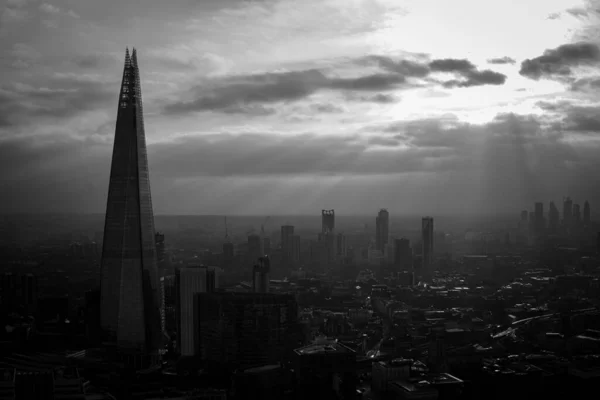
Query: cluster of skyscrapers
x=132, y=296
x=574, y=219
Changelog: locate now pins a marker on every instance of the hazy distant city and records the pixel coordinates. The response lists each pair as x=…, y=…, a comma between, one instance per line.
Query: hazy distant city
x=442, y=242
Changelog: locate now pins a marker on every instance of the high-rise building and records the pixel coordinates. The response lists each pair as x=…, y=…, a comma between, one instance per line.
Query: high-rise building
x=255, y=247
x=587, y=214
x=129, y=279
x=245, y=329
x=341, y=245
x=427, y=237
x=296, y=248
x=260, y=275
x=266, y=246
x=188, y=282
x=287, y=233
x=576, y=221
x=228, y=253
x=553, y=218
x=567, y=212
x=327, y=221
x=540, y=224
x=403, y=254
x=382, y=226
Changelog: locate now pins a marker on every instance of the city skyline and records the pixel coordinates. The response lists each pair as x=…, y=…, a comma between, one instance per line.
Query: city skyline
x=298, y=114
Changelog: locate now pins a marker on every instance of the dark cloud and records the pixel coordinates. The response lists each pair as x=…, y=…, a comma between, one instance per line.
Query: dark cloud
x=586, y=84
x=557, y=63
x=226, y=93
x=405, y=68
x=64, y=97
x=508, y=162
x=502, y=60
x=381, y=98
x=464, y=68
x=326, y=108
x=573, y=117
x=577, y=12
x=452, y=65
x=277, y=87
x=477, y=78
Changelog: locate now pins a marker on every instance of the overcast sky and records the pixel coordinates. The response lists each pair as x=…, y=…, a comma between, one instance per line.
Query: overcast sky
x=290, y=106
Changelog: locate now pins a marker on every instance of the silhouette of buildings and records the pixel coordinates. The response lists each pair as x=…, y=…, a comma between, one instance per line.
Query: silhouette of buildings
x=341, y=245
x=587, y=215
x=255, y=247
x=403, y=254
x=245, y=329
x=287, y=243
x=260, y=275
x=327, y=221
x=427, y=237
x=382, y=226
x=553, y=218
x=567, y=212
x=188, y=282
x=129, y=273
x=540, y=223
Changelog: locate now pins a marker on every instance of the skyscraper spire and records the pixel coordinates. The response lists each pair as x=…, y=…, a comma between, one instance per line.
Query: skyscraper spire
x=129, y=286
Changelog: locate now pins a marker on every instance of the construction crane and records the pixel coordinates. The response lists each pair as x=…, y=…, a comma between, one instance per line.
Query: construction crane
x=262, y=227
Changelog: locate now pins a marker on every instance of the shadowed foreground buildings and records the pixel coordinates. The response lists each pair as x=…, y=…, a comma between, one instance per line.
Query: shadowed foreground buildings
x=129, y=282
x=245, y=329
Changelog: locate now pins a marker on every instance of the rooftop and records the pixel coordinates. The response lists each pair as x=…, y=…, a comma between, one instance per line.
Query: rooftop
x=7, y=375
x=325, y=348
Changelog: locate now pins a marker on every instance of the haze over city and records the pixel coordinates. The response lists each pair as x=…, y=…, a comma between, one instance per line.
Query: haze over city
x=287, y=107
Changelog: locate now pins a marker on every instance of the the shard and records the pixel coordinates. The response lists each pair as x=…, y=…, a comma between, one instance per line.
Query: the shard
x=130, y=312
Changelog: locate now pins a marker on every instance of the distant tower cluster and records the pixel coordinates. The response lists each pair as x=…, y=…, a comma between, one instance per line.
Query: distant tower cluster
x=382, y=226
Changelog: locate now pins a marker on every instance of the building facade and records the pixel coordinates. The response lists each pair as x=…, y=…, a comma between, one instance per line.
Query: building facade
x=129, y=279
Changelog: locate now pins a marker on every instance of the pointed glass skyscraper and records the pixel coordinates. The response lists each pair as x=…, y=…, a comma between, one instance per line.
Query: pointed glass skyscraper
x=130, y=312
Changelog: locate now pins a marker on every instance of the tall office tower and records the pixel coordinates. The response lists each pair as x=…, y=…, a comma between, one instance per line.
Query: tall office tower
x=255, y=248
x=403, y=254
x=587, y=214
x=576, y=220
x=188, y=282
x=287, y=234
x=341, y=245
x=539, y=219
x=296, y=248
x=531, y=224
x=382, y=227
x=328, y=244
x=129, y=278
x=266, y=246
x=553, y=218
x=427, y=237
x=8, y=293
x=245, y=329
x=567, y=212
x=327, y=221
x=228, y=254
x=260, y=275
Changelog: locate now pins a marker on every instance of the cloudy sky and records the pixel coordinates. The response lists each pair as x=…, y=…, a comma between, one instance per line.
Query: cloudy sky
x=287, y=106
